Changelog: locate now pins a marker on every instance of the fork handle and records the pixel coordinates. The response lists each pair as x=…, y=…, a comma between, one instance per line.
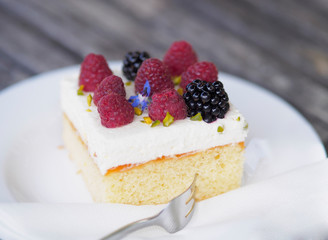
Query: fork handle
x=127, y=229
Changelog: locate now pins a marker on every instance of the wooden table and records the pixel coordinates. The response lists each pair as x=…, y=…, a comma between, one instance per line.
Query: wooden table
x=279, y=45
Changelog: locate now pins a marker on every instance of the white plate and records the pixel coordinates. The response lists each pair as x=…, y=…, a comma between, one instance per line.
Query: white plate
x=33, y=168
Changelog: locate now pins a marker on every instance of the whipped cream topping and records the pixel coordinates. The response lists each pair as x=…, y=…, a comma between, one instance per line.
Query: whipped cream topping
x=137, y=142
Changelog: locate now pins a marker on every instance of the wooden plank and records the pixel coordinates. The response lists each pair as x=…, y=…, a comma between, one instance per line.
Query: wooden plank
x=26, y=13
x=244, y=21
x=89, y=26
x=322, y=4
x=303, y=17
x=10, y=71
x=28, y=47
x=307, y=23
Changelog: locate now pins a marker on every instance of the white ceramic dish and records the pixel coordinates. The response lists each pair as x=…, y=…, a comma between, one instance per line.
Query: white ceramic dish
x=34, y=168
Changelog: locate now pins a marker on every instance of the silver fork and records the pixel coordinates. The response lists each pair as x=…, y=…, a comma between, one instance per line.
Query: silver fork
x=174, y=217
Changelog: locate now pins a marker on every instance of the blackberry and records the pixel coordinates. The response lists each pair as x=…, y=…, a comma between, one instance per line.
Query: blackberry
x=132, y=63
x=209, y=99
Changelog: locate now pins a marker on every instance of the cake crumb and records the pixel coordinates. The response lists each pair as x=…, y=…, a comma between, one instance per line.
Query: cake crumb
x=60, y=147
x=95, y=154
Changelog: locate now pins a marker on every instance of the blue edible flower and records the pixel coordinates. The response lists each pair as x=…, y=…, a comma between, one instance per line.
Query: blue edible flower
x=141, y=99
x=146, y=89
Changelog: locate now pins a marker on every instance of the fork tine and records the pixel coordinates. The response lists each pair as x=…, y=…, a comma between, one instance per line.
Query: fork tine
x=192, y=195
x=192, y=187
x=191, y=209
x=189, y=191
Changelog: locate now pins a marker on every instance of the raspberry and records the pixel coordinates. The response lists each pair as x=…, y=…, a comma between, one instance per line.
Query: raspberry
x=179, y=57
x=167, y=101
x=157, y=75
x=110, y=84
x=205, y=71
x=115, y=111
x=94, y=69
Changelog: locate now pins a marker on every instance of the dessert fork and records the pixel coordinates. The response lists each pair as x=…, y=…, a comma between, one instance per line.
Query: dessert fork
x=174, y=217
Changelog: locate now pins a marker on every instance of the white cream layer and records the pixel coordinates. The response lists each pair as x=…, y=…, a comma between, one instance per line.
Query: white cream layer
x=137, y=142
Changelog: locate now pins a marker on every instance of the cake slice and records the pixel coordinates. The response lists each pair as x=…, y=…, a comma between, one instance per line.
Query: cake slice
x=153, y=155
x=137, y=164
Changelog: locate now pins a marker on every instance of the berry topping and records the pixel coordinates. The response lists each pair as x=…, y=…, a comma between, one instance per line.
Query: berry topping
x=132, y=63
x=115, y=111
x=109, y=85
x=94, y=69
x=205, y=71
x=167, y=101
x=156, y=73
x=209, y=99
x=179, y=57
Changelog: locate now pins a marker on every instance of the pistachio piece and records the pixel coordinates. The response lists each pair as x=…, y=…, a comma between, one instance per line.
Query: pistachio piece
x=80, y=90
x=197, y=117
x=246, y=126
x=147, y=120
x=137, y=111
x=168, y=120
x=180, y=91
x=220, y=129
x=89, y=99
x=156, y=123
x=176, y=80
